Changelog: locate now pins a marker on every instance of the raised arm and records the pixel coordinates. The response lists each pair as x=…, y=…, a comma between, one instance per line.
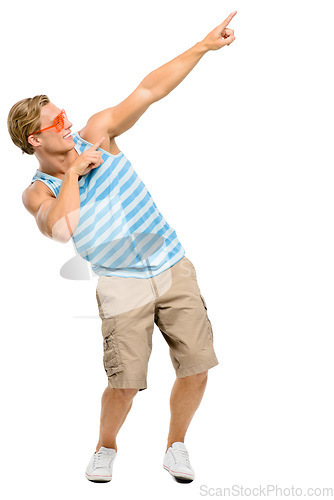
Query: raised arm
x=159, y=83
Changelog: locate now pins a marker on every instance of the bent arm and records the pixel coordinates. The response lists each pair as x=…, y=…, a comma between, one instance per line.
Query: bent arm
x=62, y=217
x=56, y=218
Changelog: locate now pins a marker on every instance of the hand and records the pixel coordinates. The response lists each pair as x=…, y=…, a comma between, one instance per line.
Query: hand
x=220, y=36
x=88, y=160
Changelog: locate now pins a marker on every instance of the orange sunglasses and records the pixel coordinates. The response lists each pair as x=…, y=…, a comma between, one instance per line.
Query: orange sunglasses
x=58, y=123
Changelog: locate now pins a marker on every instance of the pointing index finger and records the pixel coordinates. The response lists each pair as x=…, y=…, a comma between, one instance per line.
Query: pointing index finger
x=228, y=19
x=98, y=143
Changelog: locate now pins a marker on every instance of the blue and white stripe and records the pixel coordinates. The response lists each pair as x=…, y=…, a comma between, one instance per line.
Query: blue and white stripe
x=121, y=232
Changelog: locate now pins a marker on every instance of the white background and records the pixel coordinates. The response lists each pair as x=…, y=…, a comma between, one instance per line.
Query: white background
x=239, y=160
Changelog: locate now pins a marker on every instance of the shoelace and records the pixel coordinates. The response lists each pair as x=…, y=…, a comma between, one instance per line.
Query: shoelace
x=102, y=459
x=181, y=456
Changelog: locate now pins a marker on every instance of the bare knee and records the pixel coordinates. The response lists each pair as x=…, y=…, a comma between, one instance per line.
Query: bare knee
x=202, y=377
x=125, y=394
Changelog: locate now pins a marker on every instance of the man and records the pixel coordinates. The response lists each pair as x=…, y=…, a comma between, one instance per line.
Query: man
x=87, y=190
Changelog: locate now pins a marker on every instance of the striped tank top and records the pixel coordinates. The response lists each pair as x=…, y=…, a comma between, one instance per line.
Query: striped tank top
x=121, y=232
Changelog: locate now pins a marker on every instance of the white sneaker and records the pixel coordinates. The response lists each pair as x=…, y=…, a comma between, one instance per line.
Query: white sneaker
x=99, y=469
x=176, y=461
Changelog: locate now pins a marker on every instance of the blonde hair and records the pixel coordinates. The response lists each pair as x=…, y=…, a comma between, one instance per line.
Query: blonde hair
x=24, y=119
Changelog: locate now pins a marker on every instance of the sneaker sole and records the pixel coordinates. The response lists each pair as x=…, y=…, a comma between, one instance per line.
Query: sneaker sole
x=98, y=479
x=179, y=477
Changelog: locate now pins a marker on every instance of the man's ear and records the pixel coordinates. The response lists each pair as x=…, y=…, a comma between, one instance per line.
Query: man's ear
x=33, y=140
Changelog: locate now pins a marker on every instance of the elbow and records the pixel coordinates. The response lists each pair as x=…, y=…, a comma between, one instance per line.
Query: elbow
x=62, y=230
x=58, y=233
x=58, y=236
x=152, y=94
x=157, y=95
x=63, y=238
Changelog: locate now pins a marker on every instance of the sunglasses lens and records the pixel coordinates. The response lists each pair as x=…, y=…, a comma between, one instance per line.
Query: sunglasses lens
x=59, y=122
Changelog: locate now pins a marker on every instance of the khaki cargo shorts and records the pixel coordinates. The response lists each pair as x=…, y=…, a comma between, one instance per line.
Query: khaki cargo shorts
x=129, y=308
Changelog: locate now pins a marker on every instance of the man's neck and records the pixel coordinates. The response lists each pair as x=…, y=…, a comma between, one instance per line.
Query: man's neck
x=57, y=165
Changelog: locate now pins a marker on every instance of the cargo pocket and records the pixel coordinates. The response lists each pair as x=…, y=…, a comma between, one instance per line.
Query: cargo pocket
x=207, y=317
x=112, y=360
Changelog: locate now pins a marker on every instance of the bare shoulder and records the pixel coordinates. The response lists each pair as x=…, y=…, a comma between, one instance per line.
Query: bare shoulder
x=34, y=195
x=94, y=130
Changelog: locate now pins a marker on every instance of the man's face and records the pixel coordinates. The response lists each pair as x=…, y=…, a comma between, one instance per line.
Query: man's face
x=51, y=140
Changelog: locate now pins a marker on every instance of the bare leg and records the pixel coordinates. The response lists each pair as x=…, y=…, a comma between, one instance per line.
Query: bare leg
x=186, y=395
x=115, y=406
